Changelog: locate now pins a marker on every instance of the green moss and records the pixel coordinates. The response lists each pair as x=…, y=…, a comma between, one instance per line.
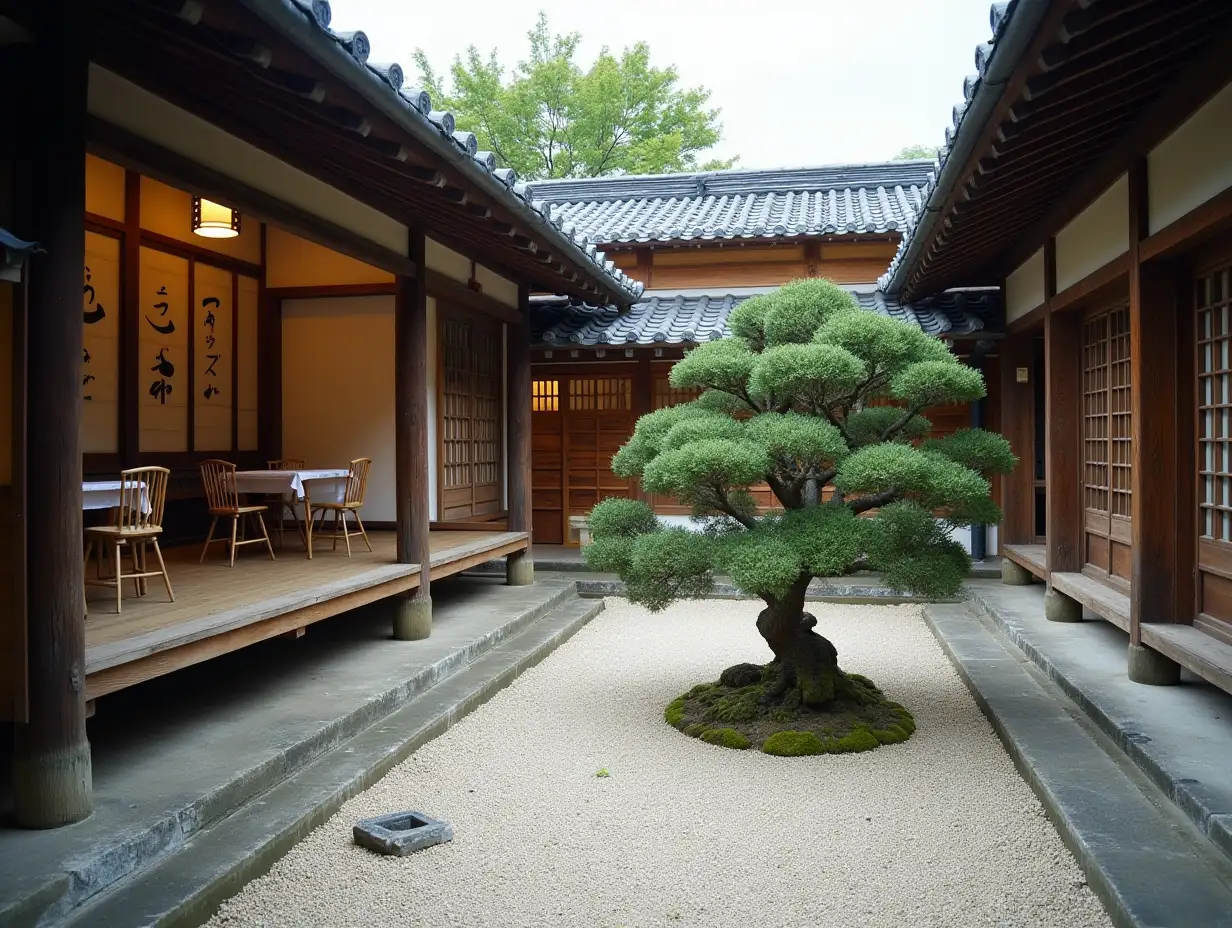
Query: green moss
x=695, y=730
x=674, y=714
x=905, y=720
x=726, y=737
x=740, y=706
x=859, y=740
x=891, y=734
x=793, y=744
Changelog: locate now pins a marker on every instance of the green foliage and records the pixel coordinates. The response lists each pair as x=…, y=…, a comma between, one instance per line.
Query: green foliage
x=983, y=452
x=669, y=565
x=799, y=308
x=552, y=118
x=602, y=773
x=726, y=737
x=869, y=425
x=933, y=383
x=792, y=399
x=811, y=374
x=916, y=153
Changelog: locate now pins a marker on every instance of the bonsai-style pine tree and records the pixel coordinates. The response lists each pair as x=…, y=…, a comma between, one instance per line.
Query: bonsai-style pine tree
x=820, y=401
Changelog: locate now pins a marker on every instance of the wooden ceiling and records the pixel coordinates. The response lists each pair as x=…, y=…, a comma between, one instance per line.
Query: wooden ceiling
x=220, y=61
x=1102, y=82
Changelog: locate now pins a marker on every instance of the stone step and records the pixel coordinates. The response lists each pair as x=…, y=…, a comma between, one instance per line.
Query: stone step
x=111, y=846
x=187, y=887
x=1147, y=863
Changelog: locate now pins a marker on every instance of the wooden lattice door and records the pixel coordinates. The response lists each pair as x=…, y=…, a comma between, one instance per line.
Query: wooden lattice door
x=547, y=474
x=1213, y=365
x=471, y=446
x=599, y=418
x=1107, y=440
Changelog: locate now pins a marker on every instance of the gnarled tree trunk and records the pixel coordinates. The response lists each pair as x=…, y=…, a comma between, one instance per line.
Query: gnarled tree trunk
x=807, y=661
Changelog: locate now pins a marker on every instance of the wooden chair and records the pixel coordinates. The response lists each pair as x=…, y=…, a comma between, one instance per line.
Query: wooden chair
x=224, y=500
x=133, y=526
x=352, y=500
x=286, y=502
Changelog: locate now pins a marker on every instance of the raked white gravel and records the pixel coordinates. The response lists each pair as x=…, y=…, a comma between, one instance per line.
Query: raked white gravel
x=939, y=831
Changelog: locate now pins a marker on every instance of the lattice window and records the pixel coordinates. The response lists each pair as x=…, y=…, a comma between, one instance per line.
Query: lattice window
x=1107, y=431
x=456, y=407
x=664, y=394
x=1214, y=369
x=601, y=393
x=486, y=428
x=545, y=396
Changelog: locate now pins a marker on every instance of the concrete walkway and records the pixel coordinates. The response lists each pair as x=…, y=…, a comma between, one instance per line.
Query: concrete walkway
x=176, y=755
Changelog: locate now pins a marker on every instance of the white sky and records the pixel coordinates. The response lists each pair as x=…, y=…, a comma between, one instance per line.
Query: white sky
x=799, y=82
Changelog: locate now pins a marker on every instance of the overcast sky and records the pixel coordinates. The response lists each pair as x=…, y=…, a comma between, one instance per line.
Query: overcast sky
x=800, y=82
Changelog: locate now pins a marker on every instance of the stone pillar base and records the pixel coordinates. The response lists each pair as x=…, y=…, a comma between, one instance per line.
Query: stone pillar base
x=1014, y=574
x=1152, y=668
x=1060, y=608
x=519, y=569
x=52, y=788
x=412, y=618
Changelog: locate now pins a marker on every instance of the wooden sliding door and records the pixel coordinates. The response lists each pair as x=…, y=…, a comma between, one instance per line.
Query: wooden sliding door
x=1107, y=438
x=471, y=468
x=1213, y=366
x=599, y=418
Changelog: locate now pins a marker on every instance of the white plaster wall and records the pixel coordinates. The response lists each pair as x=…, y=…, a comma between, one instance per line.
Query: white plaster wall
x=447, y=261
x=130, y=107
x=1097, y=235
x=497, y=287
x=1024, y=288
x=338, y=389
x=1193, y=164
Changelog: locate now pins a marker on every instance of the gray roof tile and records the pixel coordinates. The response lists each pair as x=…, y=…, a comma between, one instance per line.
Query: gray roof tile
x=678, y=319
x=861, y=199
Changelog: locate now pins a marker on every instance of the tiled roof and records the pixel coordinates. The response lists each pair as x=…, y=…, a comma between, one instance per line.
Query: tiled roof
x=938, y=184
x=678, y=319
x=858, y=199
x=415, y=102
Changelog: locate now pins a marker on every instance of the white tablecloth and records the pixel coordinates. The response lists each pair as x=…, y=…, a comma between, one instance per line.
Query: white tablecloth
x=105, y=494
x=328, y=486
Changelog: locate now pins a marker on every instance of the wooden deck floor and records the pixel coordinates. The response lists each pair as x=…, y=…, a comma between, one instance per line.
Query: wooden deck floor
x=1030, y=557
x=220, y=609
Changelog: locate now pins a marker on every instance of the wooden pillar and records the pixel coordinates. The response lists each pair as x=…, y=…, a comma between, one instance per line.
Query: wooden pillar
x=519, y=566
x=51, y=762
x=1063, y=439
x=1153, y=353
x=1017, y=425
x=413, y=616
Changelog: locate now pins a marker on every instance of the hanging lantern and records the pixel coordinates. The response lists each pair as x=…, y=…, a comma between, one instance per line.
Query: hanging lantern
x=213, y=220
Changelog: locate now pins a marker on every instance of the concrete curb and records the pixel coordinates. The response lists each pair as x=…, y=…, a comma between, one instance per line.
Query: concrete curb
x=1207, y=811
x=187, y=887
x=818, y=591
x=143, y=847
x=1146, y=863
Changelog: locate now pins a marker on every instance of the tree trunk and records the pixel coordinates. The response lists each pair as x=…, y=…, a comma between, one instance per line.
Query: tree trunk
x=807, y=662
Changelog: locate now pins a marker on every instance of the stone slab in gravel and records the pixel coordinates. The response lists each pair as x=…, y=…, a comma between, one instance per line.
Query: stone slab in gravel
x=1146, y=861
x=938, y=831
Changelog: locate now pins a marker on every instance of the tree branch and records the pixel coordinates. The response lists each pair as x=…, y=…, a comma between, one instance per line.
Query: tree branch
x=723, y=505
x=895, y=427
x=875, y=501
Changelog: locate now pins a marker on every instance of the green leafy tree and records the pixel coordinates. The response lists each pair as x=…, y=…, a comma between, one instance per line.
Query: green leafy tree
x=552, y=118
x=789, y=401
x=914, y=152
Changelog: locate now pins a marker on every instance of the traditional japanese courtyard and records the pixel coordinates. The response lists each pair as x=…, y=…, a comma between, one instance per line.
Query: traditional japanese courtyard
x=574, y=803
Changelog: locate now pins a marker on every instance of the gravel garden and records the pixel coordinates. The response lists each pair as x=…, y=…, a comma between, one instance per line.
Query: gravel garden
x=575, y=803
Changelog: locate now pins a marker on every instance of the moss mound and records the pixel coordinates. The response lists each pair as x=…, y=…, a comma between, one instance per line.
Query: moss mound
x=737, y=714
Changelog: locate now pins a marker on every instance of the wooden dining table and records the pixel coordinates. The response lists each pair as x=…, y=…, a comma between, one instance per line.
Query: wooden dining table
x=327, y=485
x=105, y=494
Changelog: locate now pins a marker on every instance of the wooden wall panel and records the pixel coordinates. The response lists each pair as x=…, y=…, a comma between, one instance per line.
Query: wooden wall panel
x=471, y=444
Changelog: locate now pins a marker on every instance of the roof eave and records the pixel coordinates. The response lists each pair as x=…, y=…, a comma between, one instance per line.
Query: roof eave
x=290, y=19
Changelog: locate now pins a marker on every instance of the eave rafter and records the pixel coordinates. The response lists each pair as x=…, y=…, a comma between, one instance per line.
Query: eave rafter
x=216, y=59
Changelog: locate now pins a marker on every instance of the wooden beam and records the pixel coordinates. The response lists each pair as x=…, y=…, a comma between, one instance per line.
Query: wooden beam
x=1063, y=439
x=1200, y=223
x=412, y=344
x=51, y=761
x=153, y=160
x=520, y=565
x=445, y=287
x=1153, y=386
x=327, y=291
x=1018, y=487
x=1092, y=287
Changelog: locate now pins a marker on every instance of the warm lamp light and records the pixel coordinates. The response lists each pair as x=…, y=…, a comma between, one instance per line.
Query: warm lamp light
x=213, y=220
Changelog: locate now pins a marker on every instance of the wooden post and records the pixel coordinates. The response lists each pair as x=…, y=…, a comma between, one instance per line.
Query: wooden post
x=1062, y=443
x=1017, y=423
x=519, y=566
x=1153, y=354
x=51, y=762
x=413, y=618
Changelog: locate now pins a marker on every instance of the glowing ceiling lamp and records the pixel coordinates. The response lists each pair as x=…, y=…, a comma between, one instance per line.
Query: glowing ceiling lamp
x=213, y=220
